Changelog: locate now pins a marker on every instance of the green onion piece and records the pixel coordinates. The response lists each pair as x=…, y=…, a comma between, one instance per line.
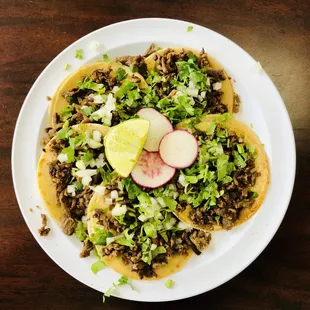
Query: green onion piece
x=190, y=28
x=79, y=54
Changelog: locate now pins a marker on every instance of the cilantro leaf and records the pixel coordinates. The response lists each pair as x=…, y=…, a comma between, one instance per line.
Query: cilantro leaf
x=120, y=74
x=106, y=57
x=87, y=157
x=66, y=66
x=69, y=151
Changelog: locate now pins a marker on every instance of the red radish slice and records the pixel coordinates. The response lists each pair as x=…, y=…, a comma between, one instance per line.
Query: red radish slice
x=178, y=149
x=150, y=171
x=159, y=126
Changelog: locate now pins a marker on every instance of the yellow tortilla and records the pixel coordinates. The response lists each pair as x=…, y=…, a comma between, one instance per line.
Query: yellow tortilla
x=227, y=97
x=46, y=186
x=174, y=265
x=261, y=164
x=58, y=102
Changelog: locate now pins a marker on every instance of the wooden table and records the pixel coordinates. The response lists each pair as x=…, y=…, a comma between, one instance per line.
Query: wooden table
x=276, y=33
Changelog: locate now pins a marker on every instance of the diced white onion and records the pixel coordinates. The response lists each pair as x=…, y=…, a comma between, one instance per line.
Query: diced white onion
x=97, y=135
x=86, y=180
x=100, y=161
x=175, y=195
x=92, y=163
x=120, y=186
x=62, y=157
x=170, y=224
x=119, y=210
x=84, y=220
x=183, y=226
x=71, y=189
x=142, y=218
x=86, y=173
x=108, y=201
x=153, y=247
x=94, y=45
x=193, y=92
x=109, y=107
x=203, y=94
x=98, y=99
x=182, y=180
x=94, y=144
x=99, y=189
x=217, y=85
x=115, y=89
x=80, y=164
x=114, y=194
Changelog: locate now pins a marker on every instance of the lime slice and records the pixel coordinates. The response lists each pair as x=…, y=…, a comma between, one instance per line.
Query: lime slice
x=124, y=143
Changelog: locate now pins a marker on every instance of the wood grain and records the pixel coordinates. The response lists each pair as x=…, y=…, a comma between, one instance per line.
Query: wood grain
x=276, y=33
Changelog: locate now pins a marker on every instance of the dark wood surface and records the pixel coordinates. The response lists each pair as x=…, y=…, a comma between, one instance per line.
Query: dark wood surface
x=276, y=33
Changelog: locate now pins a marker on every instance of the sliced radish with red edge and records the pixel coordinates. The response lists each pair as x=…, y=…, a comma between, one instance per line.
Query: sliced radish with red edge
x=159, y=126
x=150, y=170
x=178, y=149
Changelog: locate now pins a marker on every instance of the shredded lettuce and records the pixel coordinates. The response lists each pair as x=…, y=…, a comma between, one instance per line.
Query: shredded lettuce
x=80, y=231
x=98, y=266
x=121, y=281
x=99, y=237
x=169, y=284
x=79, y=54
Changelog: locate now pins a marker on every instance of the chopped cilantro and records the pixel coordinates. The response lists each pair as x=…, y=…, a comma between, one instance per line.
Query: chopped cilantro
x=106, y=57
x=133, y=68
x=88, y=111
x=87, y=157
x=79, y=54
x=190, y=28
x=169, y=284
x=100, y=237
x=120, y=74
x=217, y=218
x=69, y=151
x=97, y=266
x=66, y=66
x=79, y=186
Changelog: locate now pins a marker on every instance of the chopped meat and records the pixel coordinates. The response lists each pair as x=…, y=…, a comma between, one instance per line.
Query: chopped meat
x=200, y=239
x=203, y=60
x=236, y=103
x=217, y=74
x=135, y=61
x=43, y=231
x=44, y=219
x=104, y=77
x=48, y=98
x=151, y=49
x=67, y=224
x=87, y=248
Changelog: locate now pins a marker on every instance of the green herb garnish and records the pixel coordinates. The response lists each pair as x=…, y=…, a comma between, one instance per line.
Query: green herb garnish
x=79, y=54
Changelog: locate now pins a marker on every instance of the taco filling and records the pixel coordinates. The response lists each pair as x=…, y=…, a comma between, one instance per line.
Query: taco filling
x=228, y=179
x=183, y=84
x=140, y=229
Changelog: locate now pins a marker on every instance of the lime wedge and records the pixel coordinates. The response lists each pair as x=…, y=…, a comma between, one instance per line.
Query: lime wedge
x=124, y=143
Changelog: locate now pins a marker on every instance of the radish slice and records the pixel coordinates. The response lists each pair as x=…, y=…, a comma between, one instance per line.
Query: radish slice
x=159, y=126
x=150, y=171
x=178, y=149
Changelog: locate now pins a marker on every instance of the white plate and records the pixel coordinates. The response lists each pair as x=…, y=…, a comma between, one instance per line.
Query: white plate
x=262, y=106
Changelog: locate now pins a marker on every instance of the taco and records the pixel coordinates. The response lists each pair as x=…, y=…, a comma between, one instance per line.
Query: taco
x=228, y=182
x=102, y=92
x=71, y=168
x=137, y=235
x=192, y=80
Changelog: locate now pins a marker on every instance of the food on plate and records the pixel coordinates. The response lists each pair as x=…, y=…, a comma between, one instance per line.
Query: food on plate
x=189, y=83
x=136, y=233
x=142, y=160
x=159, y=126
x=178, y=149
x=124, y=143
x=228, y=182
x=103, y=92
x=72, y=167
x=151, y=171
